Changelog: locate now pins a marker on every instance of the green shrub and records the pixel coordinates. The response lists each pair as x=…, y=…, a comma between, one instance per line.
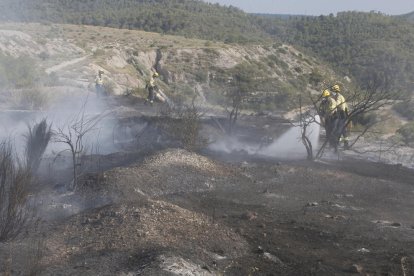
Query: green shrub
x=298, y=69
x=201, y=75
x=99, y=52
x=279, y=62
x=212, y=52
x=282, y=51
x=407, y=133
x=18, y=72
x=277, y=45
x=315, y=78
x=41, y=41
x=405, y=109
x=44, y=55
x=365, y=119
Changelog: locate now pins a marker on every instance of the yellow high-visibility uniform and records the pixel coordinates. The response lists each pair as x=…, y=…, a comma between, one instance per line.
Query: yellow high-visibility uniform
x=99, y=80
x=328, y=106
x=342, y=108
x=341, y=103
x=151, y=82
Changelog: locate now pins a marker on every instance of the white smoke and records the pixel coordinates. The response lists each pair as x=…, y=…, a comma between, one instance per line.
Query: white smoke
x=288, y=146
x=61, y=114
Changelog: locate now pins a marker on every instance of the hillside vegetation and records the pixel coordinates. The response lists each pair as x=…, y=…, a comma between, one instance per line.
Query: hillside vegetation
x=189, y=18
x=359, y=44
x=409, y=16
x=276, y=73
x=354, y=43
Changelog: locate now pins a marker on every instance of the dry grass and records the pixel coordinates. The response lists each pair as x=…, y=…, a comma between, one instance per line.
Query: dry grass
x=88, y=36
x=14, y=183
x=37, y=139
x=16, y=178
x=30, y=99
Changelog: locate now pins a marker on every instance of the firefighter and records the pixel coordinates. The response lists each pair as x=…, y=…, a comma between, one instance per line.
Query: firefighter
x=342, y=113
x=151, y=88
x=328, y=113
x=99, y=84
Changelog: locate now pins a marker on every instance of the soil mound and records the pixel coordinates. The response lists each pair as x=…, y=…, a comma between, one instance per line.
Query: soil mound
x=168, y=172
x=139, y=236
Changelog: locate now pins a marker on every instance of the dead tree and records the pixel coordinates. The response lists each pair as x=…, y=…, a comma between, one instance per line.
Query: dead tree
x=72, y=134
x=305, y=120
x=376, y=94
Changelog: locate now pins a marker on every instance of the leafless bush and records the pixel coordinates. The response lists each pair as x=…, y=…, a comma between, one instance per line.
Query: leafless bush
x=306, y=119
x=73, y=134
x=183, y=124
x=37, y=139
x=14, y=182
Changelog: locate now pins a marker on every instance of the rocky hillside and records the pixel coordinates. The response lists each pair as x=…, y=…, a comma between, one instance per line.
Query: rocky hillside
x=70, y=56
x=130, y=202
x=364, y=46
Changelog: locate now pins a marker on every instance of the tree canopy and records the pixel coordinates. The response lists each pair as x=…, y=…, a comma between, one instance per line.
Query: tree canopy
x=359, y=43
x=189, y=18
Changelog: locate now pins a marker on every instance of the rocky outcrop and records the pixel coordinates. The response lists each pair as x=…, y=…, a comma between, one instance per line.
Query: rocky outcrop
x=76, y=53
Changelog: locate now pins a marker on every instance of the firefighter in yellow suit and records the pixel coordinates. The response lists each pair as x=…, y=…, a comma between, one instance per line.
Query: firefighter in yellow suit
x=99, y=84
x=328, y=113
x=151, y=86
x=342, y=113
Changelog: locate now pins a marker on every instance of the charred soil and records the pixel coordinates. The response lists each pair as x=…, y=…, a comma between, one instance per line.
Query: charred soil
x=175, y=212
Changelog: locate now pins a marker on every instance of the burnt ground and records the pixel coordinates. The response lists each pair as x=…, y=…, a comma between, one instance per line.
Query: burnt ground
x=167, y=211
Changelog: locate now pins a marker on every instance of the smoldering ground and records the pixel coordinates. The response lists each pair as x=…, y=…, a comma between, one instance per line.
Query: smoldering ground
x=286, y=145
x=69, y=110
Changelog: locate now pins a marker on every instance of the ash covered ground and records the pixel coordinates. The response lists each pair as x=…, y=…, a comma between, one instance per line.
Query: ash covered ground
x=150, y=208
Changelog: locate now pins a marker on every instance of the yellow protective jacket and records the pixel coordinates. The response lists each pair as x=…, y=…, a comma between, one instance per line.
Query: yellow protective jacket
x=328, y=107
x=99, y=80
x=151, y=82
x=341, y=103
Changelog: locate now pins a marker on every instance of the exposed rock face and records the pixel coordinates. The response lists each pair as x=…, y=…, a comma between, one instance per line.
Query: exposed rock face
x=18, y=43
x=77, y=52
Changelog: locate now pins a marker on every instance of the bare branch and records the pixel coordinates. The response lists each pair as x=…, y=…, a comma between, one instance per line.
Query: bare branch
x=73, y=133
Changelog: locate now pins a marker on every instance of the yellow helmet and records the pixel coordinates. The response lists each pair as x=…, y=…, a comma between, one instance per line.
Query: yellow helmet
x=336, y=88
x=155, y=75
x=326, y=93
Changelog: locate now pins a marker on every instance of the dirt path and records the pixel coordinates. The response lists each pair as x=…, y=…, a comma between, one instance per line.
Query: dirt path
x=65, y=64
